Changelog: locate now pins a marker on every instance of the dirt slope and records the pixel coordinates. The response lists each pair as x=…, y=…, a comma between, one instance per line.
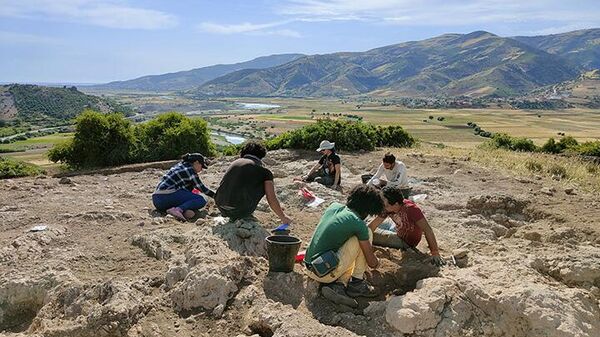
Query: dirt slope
x=527, y=256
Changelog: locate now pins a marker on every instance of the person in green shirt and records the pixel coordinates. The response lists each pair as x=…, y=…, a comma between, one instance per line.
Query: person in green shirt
x=342, y=229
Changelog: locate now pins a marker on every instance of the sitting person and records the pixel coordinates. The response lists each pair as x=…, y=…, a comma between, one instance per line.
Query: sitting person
x=328, y=171
x=245, y=182
x=394, y=172
x=174, y=191
x=406, y=227
x=342, y=229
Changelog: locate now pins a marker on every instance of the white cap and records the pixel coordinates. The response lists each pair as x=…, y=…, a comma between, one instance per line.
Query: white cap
x=325, y=145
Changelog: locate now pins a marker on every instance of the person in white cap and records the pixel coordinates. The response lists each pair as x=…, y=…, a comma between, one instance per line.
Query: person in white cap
x=328, y=171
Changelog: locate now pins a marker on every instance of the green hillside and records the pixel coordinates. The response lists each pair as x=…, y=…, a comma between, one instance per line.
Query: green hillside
x=41, y=105
x=581, y=47
x=477, y=63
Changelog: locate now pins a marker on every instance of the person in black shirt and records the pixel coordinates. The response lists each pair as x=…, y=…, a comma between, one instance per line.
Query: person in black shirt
x=245, y=182
x=328, y=171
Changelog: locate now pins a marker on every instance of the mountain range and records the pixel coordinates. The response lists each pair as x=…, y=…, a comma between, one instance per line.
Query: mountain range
x=183, y=80
x=476, y=64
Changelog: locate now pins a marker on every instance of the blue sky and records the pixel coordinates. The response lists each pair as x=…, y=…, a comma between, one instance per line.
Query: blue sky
x=94, y=41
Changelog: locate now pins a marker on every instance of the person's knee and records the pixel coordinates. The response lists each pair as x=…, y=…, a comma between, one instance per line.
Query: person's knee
x=197, y=202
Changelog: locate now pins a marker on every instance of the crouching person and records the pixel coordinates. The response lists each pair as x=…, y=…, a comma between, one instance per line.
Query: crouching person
x=340, y=249
x=405, y=226
x=174, y=191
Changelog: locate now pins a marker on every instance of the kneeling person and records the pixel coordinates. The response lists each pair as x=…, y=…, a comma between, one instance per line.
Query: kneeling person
x=406, y=227
x=174, y=191
x=343, y=231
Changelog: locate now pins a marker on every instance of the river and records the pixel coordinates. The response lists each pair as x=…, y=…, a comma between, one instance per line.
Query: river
x=231, y=138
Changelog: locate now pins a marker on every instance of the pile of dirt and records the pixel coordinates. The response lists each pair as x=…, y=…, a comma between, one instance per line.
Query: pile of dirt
x=106, y=264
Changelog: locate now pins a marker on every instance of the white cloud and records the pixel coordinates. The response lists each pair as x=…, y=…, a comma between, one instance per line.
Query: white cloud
x=563, y=28
x=105, y=13
x=441, y=12
x=22, y=38
x=249, y=28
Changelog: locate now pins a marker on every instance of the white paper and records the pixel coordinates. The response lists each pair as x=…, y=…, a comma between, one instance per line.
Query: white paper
x=418, y=197
x=315, y=202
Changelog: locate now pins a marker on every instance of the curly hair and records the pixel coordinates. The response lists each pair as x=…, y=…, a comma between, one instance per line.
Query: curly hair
x=253, y=148
x=392, y=194
x=365, y=200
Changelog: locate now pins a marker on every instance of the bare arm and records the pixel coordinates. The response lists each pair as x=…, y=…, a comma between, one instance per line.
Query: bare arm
x=313, y=169
x=338, y=174
x=375, y=223
x=274, y=203
x=377, y=174
x=429, y=236
x=367, y=250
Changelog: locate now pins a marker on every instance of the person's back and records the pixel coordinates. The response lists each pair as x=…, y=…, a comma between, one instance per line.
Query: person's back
x=242, y=187
x=337, y=225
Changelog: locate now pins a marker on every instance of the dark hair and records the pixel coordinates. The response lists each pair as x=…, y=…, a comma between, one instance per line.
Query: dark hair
x=393, y=194
x=389, y=158
x=192, y=157
x=365, y=200
x=253, y=148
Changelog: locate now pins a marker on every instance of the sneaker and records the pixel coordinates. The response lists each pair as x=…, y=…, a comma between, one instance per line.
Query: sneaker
x=177, y=213
x=336, y=293
x=360, y=288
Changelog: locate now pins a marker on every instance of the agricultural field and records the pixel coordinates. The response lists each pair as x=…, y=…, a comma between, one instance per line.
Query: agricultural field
x=225, y=115
x=33, y=150
x=538, y=125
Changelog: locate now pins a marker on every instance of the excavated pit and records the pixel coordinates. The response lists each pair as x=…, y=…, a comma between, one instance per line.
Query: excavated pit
x=20, y=302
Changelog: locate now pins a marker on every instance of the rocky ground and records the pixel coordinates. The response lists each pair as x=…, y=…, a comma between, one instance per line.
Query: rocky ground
x=526, y=252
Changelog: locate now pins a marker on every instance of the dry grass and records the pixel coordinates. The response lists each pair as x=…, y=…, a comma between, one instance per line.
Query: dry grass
x=570, y=171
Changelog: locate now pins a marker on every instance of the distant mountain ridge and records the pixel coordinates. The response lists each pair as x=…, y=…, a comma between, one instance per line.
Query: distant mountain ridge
x=183, y=80
x=478, y=63
x=581, y=47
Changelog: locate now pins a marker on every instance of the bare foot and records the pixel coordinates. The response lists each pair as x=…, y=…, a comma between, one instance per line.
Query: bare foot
x=176, y=212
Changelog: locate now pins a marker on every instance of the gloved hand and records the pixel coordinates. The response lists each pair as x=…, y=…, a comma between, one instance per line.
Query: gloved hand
x=437, y=261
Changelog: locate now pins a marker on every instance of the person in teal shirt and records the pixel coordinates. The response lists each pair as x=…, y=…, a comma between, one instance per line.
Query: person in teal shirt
x=342, y=229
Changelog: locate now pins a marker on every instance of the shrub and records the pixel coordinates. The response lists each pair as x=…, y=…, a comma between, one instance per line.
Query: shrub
x=394, y=136
x=100, y=140
x=589, y=149
x=110, y=139
x=170, y=135
x=501, y=141
x=523, y=144
x=551, y=146
x=231, y=150
x=348, y=135
x=557, y=171
x=567, y=143
x=61, y=152
x=10, y=168
x=533, y=166
x=504, y=141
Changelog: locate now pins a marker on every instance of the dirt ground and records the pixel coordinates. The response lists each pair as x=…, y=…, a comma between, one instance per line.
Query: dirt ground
x=525, y=256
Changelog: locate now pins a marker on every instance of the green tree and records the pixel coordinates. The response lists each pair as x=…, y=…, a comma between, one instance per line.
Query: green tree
x=100, y=140
x=170, y=135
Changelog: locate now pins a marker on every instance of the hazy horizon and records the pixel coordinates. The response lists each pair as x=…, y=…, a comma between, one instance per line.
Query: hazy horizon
x=82, y=42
